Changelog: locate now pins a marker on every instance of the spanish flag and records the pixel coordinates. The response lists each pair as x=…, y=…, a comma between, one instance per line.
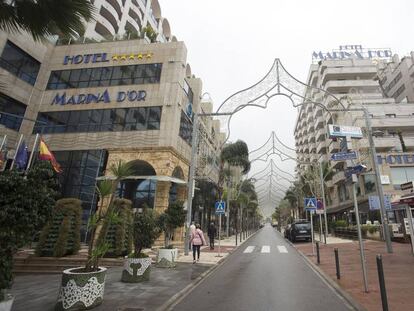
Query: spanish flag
x=46, y=155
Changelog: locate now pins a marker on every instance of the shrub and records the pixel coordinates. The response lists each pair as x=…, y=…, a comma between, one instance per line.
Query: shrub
x=61, y=235
x=146, y=230
x=341, y=224
x=119, y=237
x=25, y=206
x=172, y=218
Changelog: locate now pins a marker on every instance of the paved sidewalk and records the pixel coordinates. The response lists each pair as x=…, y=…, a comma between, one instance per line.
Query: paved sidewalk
x=398, y=270
x=209, y=256
x=39, y=292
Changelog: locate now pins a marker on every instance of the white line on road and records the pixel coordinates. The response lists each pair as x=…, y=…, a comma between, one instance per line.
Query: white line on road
x=266, y=249
x=249, y=249
x=282, y=249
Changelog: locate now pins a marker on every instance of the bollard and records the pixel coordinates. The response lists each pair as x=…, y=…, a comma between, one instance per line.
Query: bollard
x=338, y=270
x=382, y=283
x=318, y=258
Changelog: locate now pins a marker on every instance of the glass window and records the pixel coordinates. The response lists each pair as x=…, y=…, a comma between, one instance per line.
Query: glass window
x=82, y=121
x=186, y=128
x=105, y=76
x=18, y=62
x=401, y=175
x=369, y=183
x=15, y=108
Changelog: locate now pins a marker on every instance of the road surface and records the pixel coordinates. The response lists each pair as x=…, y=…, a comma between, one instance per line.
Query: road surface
x=265, y=273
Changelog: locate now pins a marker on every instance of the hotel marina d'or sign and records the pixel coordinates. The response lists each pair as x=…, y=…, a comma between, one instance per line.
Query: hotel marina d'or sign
x=99, y=97
x=104, y=58
x=353, y=51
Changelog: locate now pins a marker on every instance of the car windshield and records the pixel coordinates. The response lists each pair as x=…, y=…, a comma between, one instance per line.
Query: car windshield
x=304, y=226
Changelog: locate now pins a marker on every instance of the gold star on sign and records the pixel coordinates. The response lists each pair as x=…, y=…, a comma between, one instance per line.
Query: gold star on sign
x=123, y=57
x=131, y=56
x=139, y=56
x=149, y=55
x=114, y=57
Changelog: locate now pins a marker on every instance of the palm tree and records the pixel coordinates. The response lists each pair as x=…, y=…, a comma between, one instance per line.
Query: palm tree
x=234, y=154
x=43, y=18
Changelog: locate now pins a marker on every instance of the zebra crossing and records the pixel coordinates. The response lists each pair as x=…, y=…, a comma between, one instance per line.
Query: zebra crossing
x=265, y=249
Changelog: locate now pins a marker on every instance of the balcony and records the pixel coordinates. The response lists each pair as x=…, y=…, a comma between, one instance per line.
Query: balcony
x=321, y=147
x=398, y=122
x=319, y=121
x=333, y=147
x=320, y=134
x=338, y=86
x=338, y=177
x=382, y=143
x=409, y=142
x=351, y=73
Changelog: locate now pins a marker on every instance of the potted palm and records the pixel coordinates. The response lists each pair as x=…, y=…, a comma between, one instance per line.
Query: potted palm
x=83, y=287
x=172, y=218
x=137, y=265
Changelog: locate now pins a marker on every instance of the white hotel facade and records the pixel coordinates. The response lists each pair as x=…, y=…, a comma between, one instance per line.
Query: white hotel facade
x=353, y=79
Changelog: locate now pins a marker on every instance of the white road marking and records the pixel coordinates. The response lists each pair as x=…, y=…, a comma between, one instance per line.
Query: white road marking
x=265, y=249
x=282, y=249
x=249, y=249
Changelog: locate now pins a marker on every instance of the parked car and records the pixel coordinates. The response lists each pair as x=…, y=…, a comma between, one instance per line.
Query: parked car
x=299, y=230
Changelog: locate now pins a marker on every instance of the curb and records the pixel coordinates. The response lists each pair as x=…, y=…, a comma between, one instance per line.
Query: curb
x=335, y=286
x=174, y=300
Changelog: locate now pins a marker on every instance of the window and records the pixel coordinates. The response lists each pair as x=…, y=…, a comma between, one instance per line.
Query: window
x=343, y=192
x=186, y=128
x=390, y=115
x=78, y=177
x=12, y=106
x=105, y=76
x=99, y=120
x=399, y=91
x=369, y=183
x=401, y=175
x=18, y=62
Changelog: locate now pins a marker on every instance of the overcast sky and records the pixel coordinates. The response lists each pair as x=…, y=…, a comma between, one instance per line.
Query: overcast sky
x=233, y=43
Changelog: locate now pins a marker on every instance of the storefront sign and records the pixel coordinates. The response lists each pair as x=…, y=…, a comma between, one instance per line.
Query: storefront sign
x=407, y=186
x=396, y=159
x=85, y=58
x=374, y=202
x=101, y=97
x=385, y=180
x=352, y=51
x=344, y=131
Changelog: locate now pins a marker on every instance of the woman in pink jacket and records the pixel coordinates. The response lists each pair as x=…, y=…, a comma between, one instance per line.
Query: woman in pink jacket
x=197, y=240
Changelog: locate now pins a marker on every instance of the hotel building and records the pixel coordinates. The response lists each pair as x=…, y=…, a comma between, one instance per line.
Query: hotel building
x=352, y=79
x=98, y=103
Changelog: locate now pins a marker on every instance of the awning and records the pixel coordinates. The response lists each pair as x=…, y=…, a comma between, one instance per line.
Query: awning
x=152, y=177
x=407, y=199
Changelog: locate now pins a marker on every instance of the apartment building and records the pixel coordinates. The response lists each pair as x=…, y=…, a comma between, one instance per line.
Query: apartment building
x=397, y=78
x=353, y=81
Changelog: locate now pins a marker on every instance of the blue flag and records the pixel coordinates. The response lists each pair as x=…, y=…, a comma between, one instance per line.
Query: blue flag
x=21, y=156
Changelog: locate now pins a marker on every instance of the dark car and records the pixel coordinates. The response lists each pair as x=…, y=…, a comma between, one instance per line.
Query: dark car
x=299, y=230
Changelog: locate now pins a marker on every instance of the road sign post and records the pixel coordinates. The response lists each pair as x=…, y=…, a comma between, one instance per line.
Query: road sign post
x=220, y=207
x=410, y=225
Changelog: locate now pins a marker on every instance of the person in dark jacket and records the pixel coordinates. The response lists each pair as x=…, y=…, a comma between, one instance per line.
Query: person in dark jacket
x=211, y=234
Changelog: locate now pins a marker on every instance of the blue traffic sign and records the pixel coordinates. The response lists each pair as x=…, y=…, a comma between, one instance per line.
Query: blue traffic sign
x=358, y=169
x=310, y=204
x=220, y=207
x=342, y=156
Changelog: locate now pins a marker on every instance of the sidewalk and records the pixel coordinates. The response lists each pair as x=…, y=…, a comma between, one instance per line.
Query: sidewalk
x=212, y=257
x=398, y=270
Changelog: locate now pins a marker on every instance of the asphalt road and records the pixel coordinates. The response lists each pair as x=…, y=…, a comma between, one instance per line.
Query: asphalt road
x=265, y=273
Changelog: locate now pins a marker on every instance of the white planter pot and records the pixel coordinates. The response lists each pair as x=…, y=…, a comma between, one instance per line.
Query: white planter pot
x=167, y=257
x=136, y=270
x=81, y=290
x=6, y=305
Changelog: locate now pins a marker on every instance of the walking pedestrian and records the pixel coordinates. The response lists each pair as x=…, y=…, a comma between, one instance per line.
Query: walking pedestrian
x=211, y=234
x=192, y=230
x=197, y=240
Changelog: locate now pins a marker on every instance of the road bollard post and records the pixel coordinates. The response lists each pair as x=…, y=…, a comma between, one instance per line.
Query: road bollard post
x=318, y=258
x=338, y=270
x=384, y=298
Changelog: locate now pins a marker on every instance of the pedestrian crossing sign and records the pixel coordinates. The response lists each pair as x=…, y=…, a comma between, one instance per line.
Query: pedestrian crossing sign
x=310, y=204
x=220, y=207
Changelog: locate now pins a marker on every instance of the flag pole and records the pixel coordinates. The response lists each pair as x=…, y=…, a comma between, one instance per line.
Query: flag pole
x=17, y=149
x=3, y=143
x=34, y=149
